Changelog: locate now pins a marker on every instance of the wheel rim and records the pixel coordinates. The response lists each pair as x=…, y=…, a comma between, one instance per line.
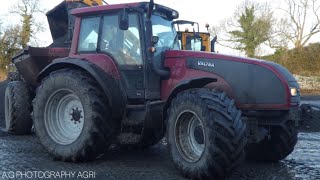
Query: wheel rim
x=64, y=117
x=189, y=136
x=7, y=111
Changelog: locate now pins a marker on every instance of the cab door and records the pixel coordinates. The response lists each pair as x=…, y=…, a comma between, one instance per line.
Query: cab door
x=124, y=46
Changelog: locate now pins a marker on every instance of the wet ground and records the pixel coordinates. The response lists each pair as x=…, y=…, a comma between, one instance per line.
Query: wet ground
x=22, y=154
x=311, y=99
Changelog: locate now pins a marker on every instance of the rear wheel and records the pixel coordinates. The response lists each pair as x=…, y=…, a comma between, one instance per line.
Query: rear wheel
x=277, y=146
x=14, y=76
x=72, y=117
x=18, y=108
x=206, y=136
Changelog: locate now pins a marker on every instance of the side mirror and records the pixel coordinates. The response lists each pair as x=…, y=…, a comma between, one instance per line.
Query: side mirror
x=154, y=40
x=213, y=42
x=124, y=20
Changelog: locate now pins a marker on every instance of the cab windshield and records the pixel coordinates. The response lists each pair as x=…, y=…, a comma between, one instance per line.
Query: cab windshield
x=166, y=33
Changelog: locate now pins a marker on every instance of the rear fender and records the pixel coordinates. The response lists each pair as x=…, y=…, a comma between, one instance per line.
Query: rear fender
x=111, y=87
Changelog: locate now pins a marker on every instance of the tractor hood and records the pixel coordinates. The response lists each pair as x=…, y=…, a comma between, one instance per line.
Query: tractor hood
x=251, y=80
x=211, y=57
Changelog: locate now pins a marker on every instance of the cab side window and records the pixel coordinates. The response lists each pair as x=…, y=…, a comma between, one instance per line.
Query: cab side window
x=111, y=36
x=88, y=37
x=123, y=45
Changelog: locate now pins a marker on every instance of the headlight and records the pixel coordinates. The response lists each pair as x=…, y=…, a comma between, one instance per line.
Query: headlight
x=294, y=91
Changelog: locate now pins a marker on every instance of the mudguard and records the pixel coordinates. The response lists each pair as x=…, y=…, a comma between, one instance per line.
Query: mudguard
x=184, y=85
x=112, y=87
x=190, y=83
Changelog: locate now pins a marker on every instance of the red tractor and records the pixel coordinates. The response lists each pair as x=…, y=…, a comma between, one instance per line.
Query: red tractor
x=124, y=80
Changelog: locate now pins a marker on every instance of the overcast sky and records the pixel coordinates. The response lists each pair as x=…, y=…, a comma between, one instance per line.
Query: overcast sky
x=202, y=11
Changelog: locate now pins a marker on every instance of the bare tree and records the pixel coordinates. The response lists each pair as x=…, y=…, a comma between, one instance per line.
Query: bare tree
x=27, y=9
x=302, y=21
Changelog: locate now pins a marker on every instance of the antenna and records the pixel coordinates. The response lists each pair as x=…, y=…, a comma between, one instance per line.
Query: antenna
x=150, y=9
x=105, y=2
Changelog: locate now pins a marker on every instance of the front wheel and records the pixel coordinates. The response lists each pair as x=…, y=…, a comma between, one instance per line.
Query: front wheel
x=278, y=145
x=206, y=136
x=72, y=117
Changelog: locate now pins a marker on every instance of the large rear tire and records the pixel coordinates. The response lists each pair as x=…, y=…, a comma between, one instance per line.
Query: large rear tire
x=72, y=116
x=206, y=136
x=277, y=146
x=18, y=108
x=14, y=76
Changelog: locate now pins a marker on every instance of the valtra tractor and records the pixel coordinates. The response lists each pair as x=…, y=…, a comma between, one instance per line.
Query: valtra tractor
x=116, y=74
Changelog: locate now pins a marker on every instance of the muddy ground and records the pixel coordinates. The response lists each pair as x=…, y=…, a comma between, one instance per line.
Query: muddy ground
x=25, y=153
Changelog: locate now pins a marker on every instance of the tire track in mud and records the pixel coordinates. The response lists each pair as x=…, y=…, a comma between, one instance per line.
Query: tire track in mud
x=25, y=153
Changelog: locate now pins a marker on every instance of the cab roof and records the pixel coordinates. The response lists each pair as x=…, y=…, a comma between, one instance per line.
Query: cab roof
x=104, y=8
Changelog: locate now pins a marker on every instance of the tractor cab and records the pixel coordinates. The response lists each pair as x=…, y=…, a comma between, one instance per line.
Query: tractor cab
x=191, y=38
x=131, y=37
